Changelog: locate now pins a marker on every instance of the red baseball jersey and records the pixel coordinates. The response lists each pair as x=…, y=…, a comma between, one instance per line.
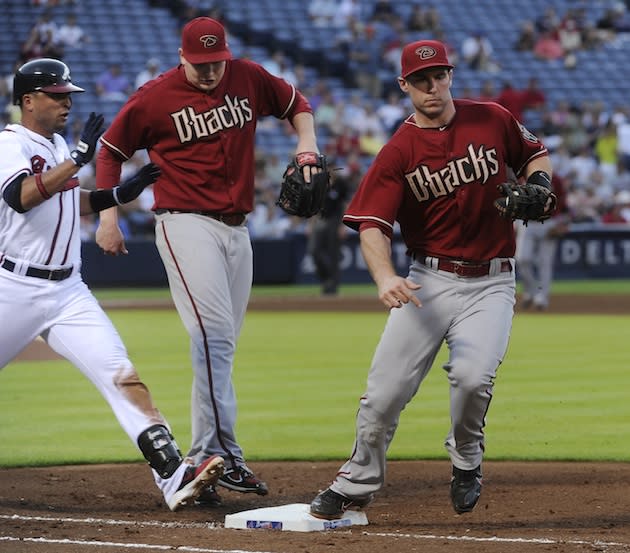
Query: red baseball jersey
x=203, y=143
x=440, y=184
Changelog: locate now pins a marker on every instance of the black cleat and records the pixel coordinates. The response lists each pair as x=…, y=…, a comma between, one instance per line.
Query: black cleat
x=209, y=498
x=465, y=489
x=241, y=479
x=331, y=505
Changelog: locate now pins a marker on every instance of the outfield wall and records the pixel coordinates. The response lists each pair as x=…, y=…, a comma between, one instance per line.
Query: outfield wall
x=586, y=252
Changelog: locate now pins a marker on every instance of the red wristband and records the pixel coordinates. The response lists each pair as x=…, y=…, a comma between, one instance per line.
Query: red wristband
x=40, y=187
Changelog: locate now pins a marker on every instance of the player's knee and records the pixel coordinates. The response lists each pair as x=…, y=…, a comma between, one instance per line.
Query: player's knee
x=160, y=450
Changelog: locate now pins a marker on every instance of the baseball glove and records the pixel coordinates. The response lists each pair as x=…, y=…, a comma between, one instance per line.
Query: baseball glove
x=525, y=201
x=301, y=198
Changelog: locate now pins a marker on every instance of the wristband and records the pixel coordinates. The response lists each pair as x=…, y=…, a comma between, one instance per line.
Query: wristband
x=41, y=188
x=104, y=199
x=540, y=178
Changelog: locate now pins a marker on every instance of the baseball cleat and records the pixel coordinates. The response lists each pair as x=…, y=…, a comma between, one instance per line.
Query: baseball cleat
x=465, y=489
x=241, y=479
x=209, y=498
x=196, y=479
x=331, y=505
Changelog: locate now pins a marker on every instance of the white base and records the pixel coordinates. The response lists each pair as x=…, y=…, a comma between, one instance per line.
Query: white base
x=294, y=517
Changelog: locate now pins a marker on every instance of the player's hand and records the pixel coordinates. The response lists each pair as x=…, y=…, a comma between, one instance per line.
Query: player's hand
x=131, y=188
x=396, y=291
x=86, y=147
x=111, y=240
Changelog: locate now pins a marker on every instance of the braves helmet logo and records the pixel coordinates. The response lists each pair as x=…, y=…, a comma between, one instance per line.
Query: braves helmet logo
x=208, y=41
x=426, y=52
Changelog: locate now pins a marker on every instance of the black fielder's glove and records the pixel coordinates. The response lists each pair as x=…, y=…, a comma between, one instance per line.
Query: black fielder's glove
x=131, y=188
x=301, y=198
x=86, y=147
x=529, y=201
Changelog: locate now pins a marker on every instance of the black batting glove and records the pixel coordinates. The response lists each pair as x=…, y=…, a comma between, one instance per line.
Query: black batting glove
x=131, y=188
x=86, y=147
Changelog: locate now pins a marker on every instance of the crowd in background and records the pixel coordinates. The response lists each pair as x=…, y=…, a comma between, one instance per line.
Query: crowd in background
x=589, y=144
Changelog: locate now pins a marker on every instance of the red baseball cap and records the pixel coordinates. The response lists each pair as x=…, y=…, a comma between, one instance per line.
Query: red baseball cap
x=422, y=55
x=203, y=41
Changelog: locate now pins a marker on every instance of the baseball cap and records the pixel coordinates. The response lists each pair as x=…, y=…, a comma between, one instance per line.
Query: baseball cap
x=203, y=41
x=422, y=55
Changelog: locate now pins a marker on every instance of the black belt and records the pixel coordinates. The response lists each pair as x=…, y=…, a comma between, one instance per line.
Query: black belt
x=466, y=269
x=229, y=219
x=54, y=274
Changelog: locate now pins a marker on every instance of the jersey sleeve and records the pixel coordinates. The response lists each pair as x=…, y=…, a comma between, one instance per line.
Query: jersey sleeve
x=523, y=145
x=14, y=164
x=277, y=96
x=379, y=195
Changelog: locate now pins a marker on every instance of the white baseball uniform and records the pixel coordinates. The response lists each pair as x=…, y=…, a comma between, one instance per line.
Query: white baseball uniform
x=42, y=292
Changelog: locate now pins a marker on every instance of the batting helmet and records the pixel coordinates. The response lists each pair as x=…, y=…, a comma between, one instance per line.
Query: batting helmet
x=45, y=74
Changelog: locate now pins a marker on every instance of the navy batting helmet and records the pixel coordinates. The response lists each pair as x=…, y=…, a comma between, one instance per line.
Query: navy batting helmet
x=45, y=74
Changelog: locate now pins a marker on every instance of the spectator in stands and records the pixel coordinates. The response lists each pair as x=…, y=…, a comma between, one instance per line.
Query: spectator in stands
x=384, y=12
x=71, y=35
x=322, y=12
x=605, y=149
x=548, y=21
x=371, y=122
x=424, y=19
x=364, y=54
x=570, y=38
x=354, y=111
x=511, y=99
x=347, y=11
x=391, y=111
x=326, y=112
x=151, y=70
x=526, y=39
x=42, y=40
x=478, y=52
x=623, y=141
x=370, y=143
x=278, y=64
x=112, y=84
x=346, y=142
x=533, y=96
x=273, y=170
x=487, y=92
x=548, y=46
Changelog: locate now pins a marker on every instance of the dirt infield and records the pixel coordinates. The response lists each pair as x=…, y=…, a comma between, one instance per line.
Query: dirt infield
x=525, y=507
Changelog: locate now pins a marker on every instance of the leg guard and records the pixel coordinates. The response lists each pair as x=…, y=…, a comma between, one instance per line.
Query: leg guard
x=160, y=449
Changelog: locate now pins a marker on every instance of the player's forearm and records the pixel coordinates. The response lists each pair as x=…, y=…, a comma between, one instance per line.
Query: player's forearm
x=36, y=189
x=377, y=252
x=539, y=164
x=304, y=125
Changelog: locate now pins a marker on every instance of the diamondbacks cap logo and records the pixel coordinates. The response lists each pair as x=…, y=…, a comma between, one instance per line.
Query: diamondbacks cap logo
x=426, y=52
x=208, y=41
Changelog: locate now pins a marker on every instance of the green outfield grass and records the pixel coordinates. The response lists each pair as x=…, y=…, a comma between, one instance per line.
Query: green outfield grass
x=559, y=287
x=561, y=392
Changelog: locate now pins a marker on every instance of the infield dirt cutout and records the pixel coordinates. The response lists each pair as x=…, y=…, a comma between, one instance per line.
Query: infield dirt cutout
x=524, y=507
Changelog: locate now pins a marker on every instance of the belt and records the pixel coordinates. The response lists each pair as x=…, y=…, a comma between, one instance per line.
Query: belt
x=229, y=219
x=467, y=269
x=54, y=274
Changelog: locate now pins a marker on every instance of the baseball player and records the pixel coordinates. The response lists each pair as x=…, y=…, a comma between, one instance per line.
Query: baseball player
x=41, y=289
x=197, y=122
x=437, y=177
x=536, y=245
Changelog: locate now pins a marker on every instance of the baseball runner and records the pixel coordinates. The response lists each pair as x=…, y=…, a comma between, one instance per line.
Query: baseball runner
x=41, y=289
x=197, y=122
x=438, y=176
